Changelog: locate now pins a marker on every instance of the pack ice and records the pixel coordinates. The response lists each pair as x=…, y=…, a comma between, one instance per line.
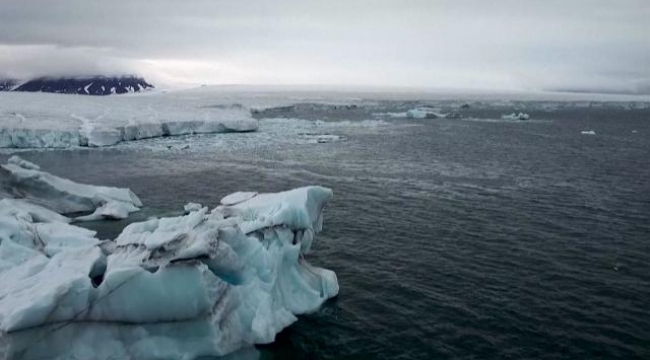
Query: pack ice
x=39, y=120
x=203, y=284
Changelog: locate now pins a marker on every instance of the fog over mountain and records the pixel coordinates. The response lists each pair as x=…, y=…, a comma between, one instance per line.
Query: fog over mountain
x=572, y=45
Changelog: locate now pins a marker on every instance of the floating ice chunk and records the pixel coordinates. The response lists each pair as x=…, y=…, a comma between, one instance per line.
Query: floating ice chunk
x=65, y=196
x=200, y=278
x=516, y=116
x=588, y=132
x=23, y=163
x=189, y=207
x=238, y=197
x=423, y=113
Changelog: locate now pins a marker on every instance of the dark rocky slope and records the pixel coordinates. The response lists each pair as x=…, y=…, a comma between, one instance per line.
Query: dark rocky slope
x=96, y=85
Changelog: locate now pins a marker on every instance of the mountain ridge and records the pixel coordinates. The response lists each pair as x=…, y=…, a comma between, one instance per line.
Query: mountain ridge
x=89, y=85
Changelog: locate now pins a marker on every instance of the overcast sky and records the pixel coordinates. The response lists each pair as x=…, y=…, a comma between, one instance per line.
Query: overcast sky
x=496, y=44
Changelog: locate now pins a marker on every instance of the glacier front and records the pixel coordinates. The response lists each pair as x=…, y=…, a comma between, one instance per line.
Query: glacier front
x=39, y=120
x=203, y=284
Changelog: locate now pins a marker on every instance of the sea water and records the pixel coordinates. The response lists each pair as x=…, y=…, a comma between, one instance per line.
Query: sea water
x=473, y=238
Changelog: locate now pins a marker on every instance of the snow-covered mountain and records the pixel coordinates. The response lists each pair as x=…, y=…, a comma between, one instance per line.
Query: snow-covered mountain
x=96, y=85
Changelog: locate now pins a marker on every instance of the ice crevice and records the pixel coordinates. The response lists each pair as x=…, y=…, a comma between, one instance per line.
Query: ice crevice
x=202, y=284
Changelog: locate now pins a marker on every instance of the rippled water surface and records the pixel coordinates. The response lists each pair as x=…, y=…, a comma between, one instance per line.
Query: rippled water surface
x=473, y=239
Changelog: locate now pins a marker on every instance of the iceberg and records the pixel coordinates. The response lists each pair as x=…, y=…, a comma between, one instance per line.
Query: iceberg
x=516, y=116
x=203, y=284
x=23, y=179
x=39, y=120
x=423, y=113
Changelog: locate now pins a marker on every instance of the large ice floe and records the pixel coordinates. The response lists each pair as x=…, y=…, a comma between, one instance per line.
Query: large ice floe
x=203, y=284
x=34, y=120
x=22, y=179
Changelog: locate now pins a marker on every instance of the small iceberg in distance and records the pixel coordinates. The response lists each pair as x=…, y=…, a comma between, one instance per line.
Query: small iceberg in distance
x=588, y=132
x=515, y=116
x=422, y=113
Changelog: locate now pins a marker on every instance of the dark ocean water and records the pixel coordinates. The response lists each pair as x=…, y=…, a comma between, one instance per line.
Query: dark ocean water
x=451, y=239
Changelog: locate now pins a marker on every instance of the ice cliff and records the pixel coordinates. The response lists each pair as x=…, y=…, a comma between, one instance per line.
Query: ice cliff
x=203, y=284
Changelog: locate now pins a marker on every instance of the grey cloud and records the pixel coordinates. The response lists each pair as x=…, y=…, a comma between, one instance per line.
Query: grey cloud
x=461, y=43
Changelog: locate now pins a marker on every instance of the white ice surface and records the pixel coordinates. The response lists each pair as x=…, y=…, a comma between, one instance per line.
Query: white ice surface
x=63, y=196
x=423, y=113
x=39, y=120
x=206, y=283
